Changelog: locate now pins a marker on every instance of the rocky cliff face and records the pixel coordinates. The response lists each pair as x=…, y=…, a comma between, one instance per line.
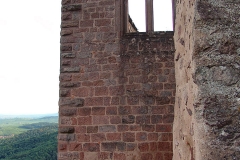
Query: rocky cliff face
x=207, y=66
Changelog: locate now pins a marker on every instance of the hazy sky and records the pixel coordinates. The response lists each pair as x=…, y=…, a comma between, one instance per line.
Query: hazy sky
x=29, y=41
x=29, y=68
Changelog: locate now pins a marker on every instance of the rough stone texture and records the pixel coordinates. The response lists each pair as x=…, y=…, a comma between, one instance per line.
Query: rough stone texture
x=207, y=66
x=116, y=92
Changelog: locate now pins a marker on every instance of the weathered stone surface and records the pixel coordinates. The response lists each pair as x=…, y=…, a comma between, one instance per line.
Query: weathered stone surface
x=66, y=32
x=128, y=119
x=66, y=137
x=69, y=24
x=77, y=102
x=68, y=111
x=207, y=79
x=66, y=129
x=68, y=155
x=73, y=7
x=70, y=70
x=66, y=47
x=69, y=84
x=116, y=91
x=68, y=55
x=113, y=146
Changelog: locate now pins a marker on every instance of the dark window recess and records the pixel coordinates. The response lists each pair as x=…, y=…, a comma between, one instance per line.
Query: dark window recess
x=148, y=15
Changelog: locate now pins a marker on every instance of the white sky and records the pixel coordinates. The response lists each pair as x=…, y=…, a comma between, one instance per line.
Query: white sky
x=162, y=14
x=29, y=51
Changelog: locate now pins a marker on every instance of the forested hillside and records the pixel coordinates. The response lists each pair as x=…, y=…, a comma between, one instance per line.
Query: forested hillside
x=14, y=126
x=40, y=144
x=28, y=138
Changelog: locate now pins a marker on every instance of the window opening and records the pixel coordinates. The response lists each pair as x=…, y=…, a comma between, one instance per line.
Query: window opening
x=148, y=15
x=162, y=12
x=136, y=12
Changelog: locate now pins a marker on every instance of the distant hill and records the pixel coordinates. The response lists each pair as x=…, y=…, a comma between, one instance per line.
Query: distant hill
x=2, y=116
x=14, y=126
x=40, y=144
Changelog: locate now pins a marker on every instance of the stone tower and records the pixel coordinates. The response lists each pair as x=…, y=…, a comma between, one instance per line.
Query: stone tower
x=116, y=88
x=118, y=95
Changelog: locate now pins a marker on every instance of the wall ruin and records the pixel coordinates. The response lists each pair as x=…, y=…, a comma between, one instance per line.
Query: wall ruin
x=117, y=90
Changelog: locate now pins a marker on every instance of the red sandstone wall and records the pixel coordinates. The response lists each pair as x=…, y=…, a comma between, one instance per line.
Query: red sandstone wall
x=116, y=93
x=147, y=73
